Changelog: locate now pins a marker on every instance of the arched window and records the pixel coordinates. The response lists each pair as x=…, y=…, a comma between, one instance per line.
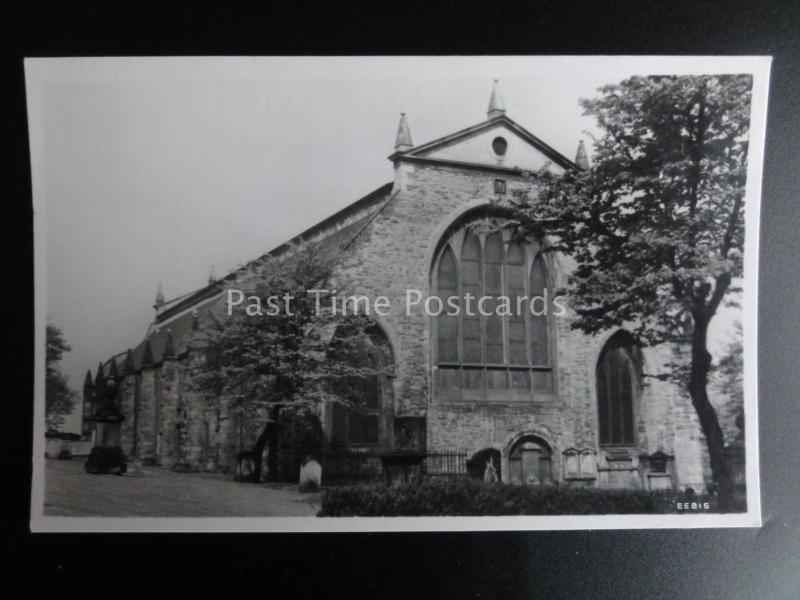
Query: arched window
x=617, y=377
x=507, y=348
x=356, y=415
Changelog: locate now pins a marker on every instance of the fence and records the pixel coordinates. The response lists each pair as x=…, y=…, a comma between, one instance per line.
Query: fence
x=345, y=468
x=446, y=464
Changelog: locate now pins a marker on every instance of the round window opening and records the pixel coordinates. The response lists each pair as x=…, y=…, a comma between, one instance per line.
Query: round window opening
x=499, y=145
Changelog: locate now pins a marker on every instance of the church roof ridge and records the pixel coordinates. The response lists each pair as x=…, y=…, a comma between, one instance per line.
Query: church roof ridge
x=325, y=227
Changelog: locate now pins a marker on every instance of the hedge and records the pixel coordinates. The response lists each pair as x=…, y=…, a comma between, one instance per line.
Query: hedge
x=468, y=497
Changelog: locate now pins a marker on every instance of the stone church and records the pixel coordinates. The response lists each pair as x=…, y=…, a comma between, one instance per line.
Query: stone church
x=540, y=402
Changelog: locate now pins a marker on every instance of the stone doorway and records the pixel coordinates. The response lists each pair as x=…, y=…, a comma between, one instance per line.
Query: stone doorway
x=530, y=462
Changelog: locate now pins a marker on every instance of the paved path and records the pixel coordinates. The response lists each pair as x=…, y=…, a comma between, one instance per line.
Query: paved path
x=69, y=491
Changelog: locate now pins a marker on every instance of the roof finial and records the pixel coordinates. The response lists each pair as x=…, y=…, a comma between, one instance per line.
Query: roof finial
x=147, y=357
x=581, y=158
x=212, y=276
x=129, y=364
x=113, y=371
x=100, y=385
x=88, y=382
x=159, y=297
x=496, y=106
x=403, y=141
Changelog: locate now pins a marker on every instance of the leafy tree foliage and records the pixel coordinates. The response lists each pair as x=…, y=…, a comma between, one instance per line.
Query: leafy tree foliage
x=281, y=363
x=59, y=398
x=656, y=225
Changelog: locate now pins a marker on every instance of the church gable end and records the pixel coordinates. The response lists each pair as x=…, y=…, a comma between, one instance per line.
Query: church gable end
x=498, y=143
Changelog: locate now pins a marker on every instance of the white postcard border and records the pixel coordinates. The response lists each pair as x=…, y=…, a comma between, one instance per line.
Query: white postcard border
x=38, y=74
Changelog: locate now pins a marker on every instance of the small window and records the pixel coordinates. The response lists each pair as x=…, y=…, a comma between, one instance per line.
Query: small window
x=500, y=146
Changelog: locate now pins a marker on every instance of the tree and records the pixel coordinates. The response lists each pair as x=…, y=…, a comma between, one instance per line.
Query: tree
x=656, y=225
x=279, y=363
x=730, y=385
x=59, y=398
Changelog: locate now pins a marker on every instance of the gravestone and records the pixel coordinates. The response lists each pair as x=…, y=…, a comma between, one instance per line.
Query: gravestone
x=402, y=467
x=490, y=474
x=134, y=469
x=245, y=466
x=310, y=475
x=52, y=446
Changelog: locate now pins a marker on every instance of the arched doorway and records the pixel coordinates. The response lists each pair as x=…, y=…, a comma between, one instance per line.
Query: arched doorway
x=530, y=461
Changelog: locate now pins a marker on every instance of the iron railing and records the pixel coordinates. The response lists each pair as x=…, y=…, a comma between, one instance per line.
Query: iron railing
x=346, y=467
x=446, y=464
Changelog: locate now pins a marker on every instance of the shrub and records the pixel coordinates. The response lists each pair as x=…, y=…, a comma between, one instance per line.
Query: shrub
x=468, y=497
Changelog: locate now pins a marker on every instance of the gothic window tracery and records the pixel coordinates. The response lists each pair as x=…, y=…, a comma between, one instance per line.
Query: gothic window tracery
x=501, y=349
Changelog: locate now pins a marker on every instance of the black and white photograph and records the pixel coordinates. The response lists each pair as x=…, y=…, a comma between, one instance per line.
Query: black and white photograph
x=395, y=293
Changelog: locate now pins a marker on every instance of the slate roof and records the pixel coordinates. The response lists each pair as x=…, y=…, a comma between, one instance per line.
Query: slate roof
x=332, y=231
x=176, y=317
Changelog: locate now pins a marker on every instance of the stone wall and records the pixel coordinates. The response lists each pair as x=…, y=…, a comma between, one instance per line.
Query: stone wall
x=165, y=416
x=395, y=253
x=147, y=428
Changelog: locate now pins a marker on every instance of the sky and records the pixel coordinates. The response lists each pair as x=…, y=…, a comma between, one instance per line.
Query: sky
x=154, y=170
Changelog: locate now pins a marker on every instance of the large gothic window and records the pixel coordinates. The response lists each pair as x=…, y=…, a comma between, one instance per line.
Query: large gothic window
x=501, y=350
x=616, y=391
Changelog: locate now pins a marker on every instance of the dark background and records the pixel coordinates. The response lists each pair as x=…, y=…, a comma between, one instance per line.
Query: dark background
x=746, y=563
